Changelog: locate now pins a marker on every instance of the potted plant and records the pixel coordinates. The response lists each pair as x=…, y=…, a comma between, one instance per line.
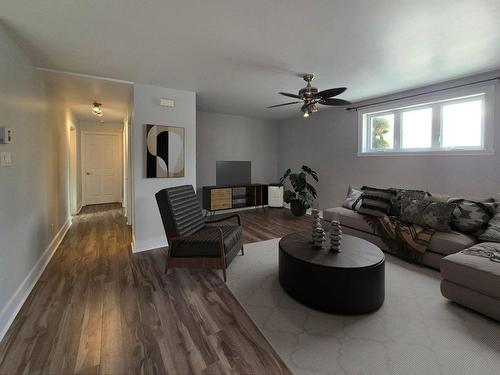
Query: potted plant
x=303, y=193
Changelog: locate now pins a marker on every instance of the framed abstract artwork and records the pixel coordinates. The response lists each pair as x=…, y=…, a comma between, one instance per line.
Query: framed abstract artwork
x=164, y=151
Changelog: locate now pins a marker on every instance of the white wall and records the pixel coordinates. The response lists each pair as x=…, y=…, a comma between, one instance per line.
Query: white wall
x=34, y=209
x=147, y=227
x=328, y=142
x=228, y=137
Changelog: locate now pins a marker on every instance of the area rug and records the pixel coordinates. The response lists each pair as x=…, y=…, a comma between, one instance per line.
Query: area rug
x=416, y=331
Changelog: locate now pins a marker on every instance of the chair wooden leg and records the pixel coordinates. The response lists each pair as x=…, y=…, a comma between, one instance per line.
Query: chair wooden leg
x=224, y=274
x=242, y=252
x=166, y=265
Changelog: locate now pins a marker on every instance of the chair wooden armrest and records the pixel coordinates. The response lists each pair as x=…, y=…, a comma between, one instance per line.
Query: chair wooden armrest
x=225, y=218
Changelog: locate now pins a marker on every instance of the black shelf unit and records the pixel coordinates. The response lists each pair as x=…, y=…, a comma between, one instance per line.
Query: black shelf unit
x=225, y=197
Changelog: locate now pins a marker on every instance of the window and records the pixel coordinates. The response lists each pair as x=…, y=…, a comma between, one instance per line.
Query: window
x=382, y=132
x=462, y=124
x=416, y=129
x=456, y=122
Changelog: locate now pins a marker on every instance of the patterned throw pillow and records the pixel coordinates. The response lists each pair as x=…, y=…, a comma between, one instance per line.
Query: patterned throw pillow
x=353, y=199
x=492, y=233
x=376, y=202
x=404, y=194
x=435, y=215
x=471, y=216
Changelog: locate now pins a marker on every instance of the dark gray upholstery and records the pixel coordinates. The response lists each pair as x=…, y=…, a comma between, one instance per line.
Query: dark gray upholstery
x=180, y=211
x=206, y=242
x=181, y=215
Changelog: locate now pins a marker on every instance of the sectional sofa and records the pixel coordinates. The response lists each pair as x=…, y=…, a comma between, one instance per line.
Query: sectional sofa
x=441, y=245
x=469, y=280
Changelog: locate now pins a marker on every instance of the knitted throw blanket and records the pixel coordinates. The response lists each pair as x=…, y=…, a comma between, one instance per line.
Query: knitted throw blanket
x=408, y=241
x=489, y=250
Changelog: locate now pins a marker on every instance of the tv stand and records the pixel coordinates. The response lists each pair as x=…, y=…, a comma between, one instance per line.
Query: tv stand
x=226, y=197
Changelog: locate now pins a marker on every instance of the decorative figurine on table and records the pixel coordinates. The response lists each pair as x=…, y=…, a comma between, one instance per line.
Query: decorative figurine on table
x=316, y=222
x=319, y=237
x=318, y=233
x=335, y=236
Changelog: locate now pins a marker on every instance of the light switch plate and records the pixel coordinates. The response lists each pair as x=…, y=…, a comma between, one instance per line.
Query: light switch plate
x=5, y=159
x=5, y=135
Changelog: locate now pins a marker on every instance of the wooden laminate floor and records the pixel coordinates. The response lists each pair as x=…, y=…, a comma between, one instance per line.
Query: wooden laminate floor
x=99, y=309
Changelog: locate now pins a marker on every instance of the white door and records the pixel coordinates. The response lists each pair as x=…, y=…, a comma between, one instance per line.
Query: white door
x=101, y=168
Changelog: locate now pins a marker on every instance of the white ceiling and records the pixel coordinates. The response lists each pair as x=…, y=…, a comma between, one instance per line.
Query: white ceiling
x=238, y=54
x=79, y=92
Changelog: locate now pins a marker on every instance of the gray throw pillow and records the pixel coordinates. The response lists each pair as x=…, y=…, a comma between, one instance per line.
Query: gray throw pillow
x=492, y=233
x=471, y=216
x=405, y=194
x=353, y=199
x=435, y=215
x=376, y=201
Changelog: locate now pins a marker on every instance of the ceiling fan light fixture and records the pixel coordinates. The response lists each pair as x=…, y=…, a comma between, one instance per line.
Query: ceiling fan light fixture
x=310, y=96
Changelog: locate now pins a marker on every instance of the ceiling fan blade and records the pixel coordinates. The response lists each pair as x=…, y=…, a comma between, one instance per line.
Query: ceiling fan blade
x=331, y=92
x=334, y=102
x=290, y=95
x=281, y=105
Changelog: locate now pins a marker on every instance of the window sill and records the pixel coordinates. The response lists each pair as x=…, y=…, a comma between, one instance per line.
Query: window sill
x=429, y=153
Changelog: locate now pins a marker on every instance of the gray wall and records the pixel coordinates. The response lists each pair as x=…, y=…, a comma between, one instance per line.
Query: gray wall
x=147, y=226
x=228, y=137
x=327, y=142
x=34, y=190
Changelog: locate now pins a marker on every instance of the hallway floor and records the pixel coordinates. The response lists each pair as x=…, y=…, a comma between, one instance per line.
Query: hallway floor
x=98, y=308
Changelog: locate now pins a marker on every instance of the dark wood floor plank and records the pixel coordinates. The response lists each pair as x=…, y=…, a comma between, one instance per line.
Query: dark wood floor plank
x=89, y=346
x=99, y=309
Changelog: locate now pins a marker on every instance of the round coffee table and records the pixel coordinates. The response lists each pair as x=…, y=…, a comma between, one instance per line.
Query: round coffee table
x=349, y=282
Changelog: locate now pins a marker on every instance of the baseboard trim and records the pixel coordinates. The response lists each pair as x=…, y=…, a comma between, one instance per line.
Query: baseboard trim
x=17, y=300
x=146, y=245
x=79, y=208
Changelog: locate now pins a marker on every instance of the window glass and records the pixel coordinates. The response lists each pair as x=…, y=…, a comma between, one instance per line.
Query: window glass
x=416, y=128
x=382, y=132
x=462, y=124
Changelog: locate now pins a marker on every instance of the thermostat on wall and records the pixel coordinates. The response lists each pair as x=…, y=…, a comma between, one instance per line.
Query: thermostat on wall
x=5, y=135
x=170, y=103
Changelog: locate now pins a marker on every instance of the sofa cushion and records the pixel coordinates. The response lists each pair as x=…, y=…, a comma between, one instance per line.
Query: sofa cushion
x=375, y=201
x=435, y=215
x=446, y=243
x=471, y=216
x=492, y=233
x=405, y=194
x=353, y=199
x=480, y=302
x=437, y=197
x=473, y=272
x=348, y=218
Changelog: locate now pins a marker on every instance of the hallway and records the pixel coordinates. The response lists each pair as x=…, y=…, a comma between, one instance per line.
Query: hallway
x=100, y=309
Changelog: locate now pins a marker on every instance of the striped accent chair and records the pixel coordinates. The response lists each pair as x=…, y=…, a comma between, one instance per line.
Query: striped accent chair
x=192, y=241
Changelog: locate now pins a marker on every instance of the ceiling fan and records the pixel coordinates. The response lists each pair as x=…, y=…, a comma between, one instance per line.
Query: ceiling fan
x=310, y=96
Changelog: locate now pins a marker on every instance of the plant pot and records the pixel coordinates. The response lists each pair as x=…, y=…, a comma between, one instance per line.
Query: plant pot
x=297, y=208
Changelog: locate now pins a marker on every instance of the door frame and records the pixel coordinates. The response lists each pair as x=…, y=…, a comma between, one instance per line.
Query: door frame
x=84, y=134
x=73, y=170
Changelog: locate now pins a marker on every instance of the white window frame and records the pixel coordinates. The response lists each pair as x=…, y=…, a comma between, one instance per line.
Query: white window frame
x=436, y=102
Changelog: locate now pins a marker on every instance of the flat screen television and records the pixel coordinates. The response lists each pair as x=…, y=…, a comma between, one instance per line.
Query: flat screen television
x=233, y=172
